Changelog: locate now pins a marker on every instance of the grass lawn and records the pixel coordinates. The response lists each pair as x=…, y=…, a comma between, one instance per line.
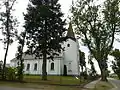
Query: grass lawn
x=62, y=80
x=37, y=86
x=103, y=86
x=53, y=83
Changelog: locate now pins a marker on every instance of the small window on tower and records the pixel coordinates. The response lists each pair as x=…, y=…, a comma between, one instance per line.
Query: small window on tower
x=68, y=45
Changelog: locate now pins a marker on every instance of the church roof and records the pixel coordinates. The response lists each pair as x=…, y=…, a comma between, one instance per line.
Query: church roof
x=31, y=57
x=70, y=33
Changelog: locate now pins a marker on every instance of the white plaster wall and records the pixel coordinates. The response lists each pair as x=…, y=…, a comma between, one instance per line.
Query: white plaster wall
x=71, y=56
x=31, y=70
x=62, y=65
x=57, y=66
x=13, y=63
x=56, y=71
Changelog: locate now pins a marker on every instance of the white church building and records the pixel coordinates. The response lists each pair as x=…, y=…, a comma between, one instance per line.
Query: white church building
x=67, y=63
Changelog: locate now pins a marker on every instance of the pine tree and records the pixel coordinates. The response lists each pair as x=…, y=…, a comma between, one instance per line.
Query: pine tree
x=44, y=28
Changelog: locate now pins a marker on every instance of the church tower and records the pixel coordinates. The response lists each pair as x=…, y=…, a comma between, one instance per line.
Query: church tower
x=71, y=54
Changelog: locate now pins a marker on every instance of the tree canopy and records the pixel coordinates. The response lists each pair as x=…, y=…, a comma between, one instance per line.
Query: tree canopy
x=116, y=63
x=8, y=27
x=44, y=28
x=97, y=25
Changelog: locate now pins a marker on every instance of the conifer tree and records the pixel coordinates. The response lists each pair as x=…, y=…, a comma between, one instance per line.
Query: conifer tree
x=44, y=28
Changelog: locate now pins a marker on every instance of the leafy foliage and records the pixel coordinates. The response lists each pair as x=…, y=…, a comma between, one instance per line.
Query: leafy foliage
x=82, y=59
x=11, y=73
x=93, y=72
x=82, y=64
x=44, y=27
x=21, y=40
x=116, y=64
x=8, y=22
x=8, y=27
x=97, y=26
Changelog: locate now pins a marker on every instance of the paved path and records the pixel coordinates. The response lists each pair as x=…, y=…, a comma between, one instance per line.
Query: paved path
x=91, y=85
x=116, y=83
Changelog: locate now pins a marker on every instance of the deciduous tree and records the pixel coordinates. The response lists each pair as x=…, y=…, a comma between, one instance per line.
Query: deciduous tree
x=82, y=60
x=8, y=27
x=116, y=63
x=19, y=55
x=93, y=72
x=97, y=25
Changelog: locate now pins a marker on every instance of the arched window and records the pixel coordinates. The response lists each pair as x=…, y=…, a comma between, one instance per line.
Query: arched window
x=52, y=66
x=28, y=67
x=35, y=66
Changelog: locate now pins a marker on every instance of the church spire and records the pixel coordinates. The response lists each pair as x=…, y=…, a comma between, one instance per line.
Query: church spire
x=70, y=32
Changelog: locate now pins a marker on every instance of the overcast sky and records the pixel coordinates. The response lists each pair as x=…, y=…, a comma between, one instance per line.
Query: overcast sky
x=20, y=7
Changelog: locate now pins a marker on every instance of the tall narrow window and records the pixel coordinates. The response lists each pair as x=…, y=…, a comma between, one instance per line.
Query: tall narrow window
x=23, y=66
x=69, y=67
x=28, y=67
x=52, y=66
x=35, y=66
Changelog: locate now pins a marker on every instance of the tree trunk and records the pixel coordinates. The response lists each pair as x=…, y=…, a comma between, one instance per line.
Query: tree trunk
x=103, y=70
x=82, y=75
x=44, y=65
x=21, y=59
x=21, y=70
x=103, y=75
x=8, y=41
x=4, y=65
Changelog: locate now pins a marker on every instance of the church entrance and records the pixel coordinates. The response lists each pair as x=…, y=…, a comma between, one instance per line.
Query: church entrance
x=65, y=70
